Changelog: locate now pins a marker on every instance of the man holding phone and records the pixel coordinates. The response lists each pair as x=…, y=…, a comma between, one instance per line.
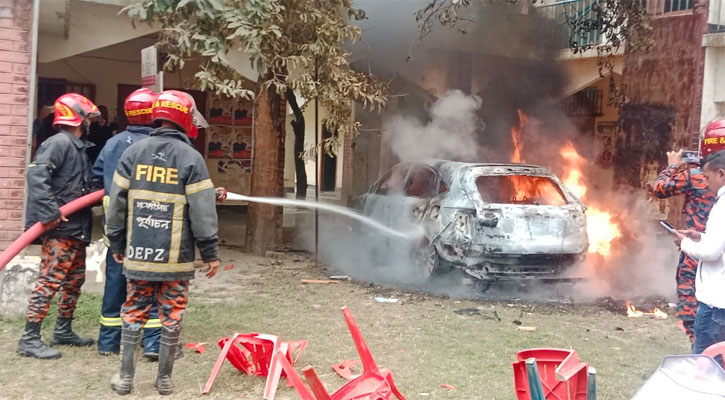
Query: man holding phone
x=709, y=248
x=684, y=176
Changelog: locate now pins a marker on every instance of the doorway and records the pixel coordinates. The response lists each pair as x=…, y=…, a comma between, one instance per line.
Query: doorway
x=328, y=171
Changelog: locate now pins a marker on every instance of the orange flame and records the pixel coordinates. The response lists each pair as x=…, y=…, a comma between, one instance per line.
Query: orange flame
x=633, y=312
x=516, y=133
x=522, y=186
x=574, y=179
x=602, y=231
x=601, y=228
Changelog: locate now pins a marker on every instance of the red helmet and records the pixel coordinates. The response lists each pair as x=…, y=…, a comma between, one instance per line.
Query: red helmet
x=713, y=138
x=72, y=109
x=139, y=106
x=178, y=108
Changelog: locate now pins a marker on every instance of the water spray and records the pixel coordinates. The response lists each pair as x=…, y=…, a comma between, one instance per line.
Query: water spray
x=275, y=201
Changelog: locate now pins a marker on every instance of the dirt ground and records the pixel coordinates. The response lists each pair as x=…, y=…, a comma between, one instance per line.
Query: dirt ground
x=427, y=341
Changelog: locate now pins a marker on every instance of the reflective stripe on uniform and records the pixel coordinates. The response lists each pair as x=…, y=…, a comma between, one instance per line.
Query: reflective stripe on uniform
x=106, y=202
x=153, y=323
x=117, y=321
x=121, y=181
x=111, y=321
x=199, y=186
x=157, y=267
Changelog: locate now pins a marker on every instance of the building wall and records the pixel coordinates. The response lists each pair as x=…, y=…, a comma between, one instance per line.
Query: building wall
x=107, y=67
x=15, y=58
x=664, y=89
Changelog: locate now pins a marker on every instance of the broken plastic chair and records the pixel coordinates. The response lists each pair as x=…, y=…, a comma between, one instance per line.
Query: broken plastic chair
x=251, y=353
x=691, y=377
x=560, y=373
x=374, y=383
x=344, y=369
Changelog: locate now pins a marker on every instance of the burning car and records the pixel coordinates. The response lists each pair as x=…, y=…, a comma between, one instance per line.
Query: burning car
x=493, y=221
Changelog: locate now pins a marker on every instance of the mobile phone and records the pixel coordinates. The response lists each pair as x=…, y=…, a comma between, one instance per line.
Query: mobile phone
x=690, y=156
x=669, y=227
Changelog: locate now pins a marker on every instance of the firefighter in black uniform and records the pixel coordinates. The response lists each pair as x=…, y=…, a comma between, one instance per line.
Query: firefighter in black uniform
x=162, y=204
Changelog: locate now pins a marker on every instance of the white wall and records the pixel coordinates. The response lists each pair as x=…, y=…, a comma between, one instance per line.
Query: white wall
x=713, y=88
x=107, y=67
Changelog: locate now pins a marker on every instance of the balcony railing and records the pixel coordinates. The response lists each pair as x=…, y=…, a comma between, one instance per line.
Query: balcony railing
x=586, y=102
x=566, y=16
x=716, y=20
x=580, y=15
x=659, y=8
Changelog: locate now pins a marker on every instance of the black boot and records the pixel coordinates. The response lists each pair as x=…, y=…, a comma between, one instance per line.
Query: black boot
x=63, y=334
x=167, y=355
x=122, y=382
x=30, y=344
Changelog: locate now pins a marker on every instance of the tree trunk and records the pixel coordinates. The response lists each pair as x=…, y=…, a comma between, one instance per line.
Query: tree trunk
x=298, y=125
x=264, y=228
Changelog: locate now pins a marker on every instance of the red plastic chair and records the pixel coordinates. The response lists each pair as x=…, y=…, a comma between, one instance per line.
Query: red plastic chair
x=374, y=383
x=563, y=376
x=717, y=349
x=251, y=353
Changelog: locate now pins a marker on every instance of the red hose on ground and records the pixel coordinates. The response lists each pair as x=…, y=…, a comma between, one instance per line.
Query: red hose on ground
x=36, y=230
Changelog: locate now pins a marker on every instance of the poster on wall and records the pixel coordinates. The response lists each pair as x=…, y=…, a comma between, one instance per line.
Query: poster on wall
x=229, y=143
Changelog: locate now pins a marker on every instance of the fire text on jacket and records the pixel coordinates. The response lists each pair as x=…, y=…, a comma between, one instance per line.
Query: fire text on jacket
x=153, y=173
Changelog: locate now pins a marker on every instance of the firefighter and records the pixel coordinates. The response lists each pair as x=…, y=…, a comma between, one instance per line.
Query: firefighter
x=137, y=107
x=684, y=176
x=162, y=204
x=59, y=174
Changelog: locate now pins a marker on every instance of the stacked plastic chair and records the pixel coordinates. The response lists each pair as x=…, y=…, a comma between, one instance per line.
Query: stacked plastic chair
x=553, y=374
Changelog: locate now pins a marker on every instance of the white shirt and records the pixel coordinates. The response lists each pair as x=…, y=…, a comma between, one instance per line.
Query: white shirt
x=710, y=250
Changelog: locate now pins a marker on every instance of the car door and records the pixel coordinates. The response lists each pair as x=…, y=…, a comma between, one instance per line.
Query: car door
x=377, y=203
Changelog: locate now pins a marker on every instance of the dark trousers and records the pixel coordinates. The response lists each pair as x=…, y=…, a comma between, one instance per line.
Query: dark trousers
x=709, y=327
x=114, y=295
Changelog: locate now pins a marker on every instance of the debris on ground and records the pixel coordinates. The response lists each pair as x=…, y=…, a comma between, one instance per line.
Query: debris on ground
x=468, y=311
x=340, y=278
x=448, y=387
x=526, y=328
x=386, y=300
x=228, y=267
x=197, y=347
x=319, y=281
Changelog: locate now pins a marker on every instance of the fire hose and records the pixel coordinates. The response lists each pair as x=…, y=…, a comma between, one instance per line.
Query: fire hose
x=36, y=230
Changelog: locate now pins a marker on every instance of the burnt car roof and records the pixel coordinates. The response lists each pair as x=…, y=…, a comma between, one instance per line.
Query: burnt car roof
x=449, y=167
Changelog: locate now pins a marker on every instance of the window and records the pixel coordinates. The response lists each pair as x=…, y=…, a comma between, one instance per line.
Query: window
x=421, y=182
x=520, y=189
x=392, y=182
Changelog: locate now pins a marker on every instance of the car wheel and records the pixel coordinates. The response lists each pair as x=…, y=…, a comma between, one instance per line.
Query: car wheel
x=429, y=264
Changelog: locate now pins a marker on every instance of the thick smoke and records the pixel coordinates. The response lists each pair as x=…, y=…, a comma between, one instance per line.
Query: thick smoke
x=452, y=132
x=455, y=96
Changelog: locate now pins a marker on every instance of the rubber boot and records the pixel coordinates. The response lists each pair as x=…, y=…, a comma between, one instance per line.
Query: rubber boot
x=154, y=356
x=30, y=344
x=122, y=382
x=63, y=334
x=167, y=356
